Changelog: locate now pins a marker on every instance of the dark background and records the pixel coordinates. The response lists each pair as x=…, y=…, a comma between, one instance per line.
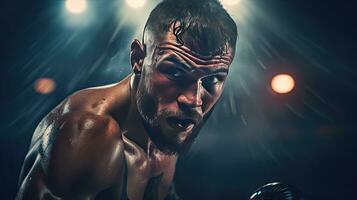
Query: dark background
x=305, y=138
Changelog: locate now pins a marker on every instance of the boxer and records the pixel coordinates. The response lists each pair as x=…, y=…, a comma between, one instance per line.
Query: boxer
x=122, y=141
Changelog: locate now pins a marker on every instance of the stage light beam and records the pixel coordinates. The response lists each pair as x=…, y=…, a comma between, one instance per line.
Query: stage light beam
x=282, y=83
x=136, y=3
x=76, y=6
x=230, y=2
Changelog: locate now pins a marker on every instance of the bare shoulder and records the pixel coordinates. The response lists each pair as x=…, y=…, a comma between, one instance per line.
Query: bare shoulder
x=91, y=99
x=78, y=146
x=77, y=155
x=77, y=149
x=82, y=152
x=83, y=104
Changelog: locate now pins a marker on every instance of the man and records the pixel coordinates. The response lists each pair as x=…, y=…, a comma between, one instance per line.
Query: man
x=122, y=141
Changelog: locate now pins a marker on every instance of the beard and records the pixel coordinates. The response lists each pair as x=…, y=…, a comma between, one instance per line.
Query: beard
x=155, y=123
x=171, y=144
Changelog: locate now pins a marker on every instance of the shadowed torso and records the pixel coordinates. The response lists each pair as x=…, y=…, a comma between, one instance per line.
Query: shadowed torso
x=121, y=168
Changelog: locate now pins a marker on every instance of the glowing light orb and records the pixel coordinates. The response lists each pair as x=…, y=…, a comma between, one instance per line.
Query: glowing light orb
x=282, y=83
x=136, y=3
x=44, y=85
x=230, y=2
x=76, y=6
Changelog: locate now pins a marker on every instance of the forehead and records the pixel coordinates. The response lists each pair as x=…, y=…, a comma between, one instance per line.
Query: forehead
x=167, y=46
x=182, y=44
x=180, y=53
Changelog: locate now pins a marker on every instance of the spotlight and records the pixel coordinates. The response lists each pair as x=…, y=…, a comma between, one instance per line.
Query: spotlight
x=230, y=2
x=44, y=85
x=76, y=6
x=282, y=83
x=136, y=3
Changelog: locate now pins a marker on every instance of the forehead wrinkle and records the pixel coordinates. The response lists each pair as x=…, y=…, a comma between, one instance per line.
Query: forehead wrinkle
x=197, y=63
x=227, y=57
x=177, y=59
x=180, y=61
x=193, y=67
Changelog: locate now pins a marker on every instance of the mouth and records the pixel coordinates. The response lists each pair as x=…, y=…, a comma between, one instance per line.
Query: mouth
x=181, y=123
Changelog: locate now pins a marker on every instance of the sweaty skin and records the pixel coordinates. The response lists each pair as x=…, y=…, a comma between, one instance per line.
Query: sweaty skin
x=94, y=144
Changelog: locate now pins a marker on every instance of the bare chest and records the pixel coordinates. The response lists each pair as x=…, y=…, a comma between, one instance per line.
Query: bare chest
x=146, y=177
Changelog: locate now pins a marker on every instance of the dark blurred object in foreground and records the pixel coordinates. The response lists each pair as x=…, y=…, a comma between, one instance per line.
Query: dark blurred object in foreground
x=276, y=191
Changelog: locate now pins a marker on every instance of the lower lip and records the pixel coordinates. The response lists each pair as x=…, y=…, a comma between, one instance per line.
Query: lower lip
x=189, y=127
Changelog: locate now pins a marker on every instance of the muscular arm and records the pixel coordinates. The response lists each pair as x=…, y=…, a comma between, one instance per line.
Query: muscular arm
x=79, y=154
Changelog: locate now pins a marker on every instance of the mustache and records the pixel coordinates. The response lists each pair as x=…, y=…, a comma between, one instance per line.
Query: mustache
x=189, y=114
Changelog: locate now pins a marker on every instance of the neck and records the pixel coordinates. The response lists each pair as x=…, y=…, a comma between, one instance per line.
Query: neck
x=133, y=128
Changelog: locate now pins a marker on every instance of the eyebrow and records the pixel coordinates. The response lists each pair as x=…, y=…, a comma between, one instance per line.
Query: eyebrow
x=187, y=67
x=180, y=62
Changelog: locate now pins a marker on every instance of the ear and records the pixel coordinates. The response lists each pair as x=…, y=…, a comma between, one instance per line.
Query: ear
x=137, y=55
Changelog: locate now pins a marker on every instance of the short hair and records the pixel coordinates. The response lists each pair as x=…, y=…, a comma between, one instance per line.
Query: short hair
x=205, y=24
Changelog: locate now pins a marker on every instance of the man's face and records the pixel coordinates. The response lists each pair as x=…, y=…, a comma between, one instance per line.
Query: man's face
x=177, y=91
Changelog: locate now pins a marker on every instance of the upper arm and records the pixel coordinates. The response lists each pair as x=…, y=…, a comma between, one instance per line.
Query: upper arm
x=81, y=154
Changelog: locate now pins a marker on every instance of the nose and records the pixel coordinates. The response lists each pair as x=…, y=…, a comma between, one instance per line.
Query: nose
x=191, y=95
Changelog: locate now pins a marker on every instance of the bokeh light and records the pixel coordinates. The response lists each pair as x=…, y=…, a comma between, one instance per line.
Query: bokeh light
x=76, y=6
x=136, y=3
x=44, y=85
x=282, y=83
x=230, y=2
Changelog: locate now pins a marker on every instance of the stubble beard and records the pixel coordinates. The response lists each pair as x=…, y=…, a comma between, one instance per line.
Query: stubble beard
x=147, y=108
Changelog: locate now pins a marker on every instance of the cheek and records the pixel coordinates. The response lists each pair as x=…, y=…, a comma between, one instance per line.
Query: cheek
x=164, y=90
x=210, y=100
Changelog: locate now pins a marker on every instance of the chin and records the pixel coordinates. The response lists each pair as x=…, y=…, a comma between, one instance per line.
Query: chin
x=172, y=136
x=172, y=141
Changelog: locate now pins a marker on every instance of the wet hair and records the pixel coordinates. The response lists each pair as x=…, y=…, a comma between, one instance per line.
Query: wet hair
x=203, y=25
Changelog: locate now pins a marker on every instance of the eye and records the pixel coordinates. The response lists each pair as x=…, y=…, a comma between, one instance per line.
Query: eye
x=211, y=82
x=174, y=73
